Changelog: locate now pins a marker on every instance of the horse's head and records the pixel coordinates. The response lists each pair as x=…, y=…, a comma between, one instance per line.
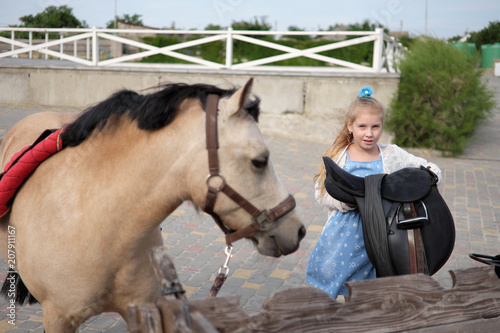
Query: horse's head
x=245, y=165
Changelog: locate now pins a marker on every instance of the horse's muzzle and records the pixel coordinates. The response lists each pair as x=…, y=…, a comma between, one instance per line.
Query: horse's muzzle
x=282, y=239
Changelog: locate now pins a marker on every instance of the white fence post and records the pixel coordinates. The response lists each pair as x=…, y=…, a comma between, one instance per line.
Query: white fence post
x=87, y=48
x=229, y=48
x=30, y=38
x=61, y=47
x=46, y=41
x=378, y=50
x=95, y=47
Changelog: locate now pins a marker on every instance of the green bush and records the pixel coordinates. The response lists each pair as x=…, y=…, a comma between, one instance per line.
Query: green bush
x=441, y=98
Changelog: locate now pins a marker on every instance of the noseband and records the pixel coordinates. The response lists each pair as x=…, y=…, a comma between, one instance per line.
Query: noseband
x=261, y=219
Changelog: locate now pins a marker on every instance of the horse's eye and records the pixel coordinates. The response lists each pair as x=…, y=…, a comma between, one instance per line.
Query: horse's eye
x=260, y=163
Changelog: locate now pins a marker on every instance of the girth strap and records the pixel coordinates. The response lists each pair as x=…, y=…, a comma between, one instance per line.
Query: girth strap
x=375, y=227
x=416, y=248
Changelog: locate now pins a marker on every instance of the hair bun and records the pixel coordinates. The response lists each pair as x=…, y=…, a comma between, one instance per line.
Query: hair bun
x=366, y=91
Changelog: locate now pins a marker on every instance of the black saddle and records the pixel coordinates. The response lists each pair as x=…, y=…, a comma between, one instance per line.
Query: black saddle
x=407, y=226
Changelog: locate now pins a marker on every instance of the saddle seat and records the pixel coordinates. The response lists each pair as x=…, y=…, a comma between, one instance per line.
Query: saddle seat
x=405, y=185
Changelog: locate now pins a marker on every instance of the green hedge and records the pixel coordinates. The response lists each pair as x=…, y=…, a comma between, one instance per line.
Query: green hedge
x=441, y=98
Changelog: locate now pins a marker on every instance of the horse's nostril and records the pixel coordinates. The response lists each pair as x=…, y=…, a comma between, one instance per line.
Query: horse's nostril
x=302, y=232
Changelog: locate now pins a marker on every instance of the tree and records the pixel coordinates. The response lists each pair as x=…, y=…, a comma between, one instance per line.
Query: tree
x=244, y=51
x=257, y=24
x=213, y=27
x=406, y=41
x=359, y=53
x=126, y=18
x=489, y=35
x=298, y=37
x=53, y=17
x=364, y=26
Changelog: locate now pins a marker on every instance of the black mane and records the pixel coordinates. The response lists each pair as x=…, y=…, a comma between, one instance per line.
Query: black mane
x=152, y=111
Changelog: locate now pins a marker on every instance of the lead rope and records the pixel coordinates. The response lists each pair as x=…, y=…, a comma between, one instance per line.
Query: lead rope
x=261, y=219
x=221, y=276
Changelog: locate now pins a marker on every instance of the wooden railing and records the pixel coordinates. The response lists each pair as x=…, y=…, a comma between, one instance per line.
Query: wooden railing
x=392, y=304
x=386, y=51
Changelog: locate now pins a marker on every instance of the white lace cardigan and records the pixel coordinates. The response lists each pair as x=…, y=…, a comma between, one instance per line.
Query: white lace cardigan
x=393, y=159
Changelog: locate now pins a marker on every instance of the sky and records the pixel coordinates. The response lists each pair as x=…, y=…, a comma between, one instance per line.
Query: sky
x=444, y=18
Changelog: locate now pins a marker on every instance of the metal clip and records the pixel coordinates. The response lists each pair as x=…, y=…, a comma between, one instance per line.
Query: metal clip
x=228, y=251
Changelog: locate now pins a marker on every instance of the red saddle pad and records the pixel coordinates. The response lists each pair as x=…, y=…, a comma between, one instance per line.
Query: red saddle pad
x=22, y=165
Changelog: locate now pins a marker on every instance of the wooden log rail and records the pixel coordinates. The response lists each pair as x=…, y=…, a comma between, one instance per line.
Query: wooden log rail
x=410, y=303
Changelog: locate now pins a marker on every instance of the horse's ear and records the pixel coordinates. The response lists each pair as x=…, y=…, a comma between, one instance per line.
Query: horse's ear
x=240, y=97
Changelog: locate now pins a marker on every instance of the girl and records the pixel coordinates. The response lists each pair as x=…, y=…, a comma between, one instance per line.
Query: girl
x=340, y=255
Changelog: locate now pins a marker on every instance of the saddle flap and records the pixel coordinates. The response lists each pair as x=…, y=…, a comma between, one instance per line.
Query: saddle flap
x=342, y=185
x=408, y=184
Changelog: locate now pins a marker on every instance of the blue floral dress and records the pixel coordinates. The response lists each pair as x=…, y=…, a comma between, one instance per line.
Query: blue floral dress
x=340, y=254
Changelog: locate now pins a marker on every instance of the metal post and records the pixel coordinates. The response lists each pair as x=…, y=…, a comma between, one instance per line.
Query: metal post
x=75, y=46
x=378, y=49
x=229, y=48
x=426, y=3
x=12, y=37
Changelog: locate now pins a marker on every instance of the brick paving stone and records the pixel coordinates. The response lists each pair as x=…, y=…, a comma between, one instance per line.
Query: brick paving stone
x=29, y=325
x=102, y=323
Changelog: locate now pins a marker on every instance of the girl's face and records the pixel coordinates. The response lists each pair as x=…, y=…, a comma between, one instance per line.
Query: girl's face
x=366, y=128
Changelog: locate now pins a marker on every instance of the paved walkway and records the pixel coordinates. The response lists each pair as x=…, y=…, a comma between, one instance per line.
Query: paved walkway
x=471, y=189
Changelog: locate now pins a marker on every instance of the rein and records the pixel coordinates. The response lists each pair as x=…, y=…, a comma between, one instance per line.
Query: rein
x=261, y=219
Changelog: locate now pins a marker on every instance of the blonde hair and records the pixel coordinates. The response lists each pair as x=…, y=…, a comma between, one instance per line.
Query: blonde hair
x=344, y=138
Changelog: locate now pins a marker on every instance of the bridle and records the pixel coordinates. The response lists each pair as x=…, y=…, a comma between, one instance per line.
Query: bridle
x=261, y=219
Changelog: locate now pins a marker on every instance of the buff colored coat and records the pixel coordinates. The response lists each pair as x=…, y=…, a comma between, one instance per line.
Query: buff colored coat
x=87, y=219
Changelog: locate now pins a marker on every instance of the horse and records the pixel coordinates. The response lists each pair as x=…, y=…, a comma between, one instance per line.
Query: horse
x=88, y=217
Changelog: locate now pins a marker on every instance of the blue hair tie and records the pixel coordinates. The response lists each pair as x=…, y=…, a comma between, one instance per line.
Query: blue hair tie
x=366, y=91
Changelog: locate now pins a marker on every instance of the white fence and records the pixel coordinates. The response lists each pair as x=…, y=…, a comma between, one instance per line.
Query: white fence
x=386, y=51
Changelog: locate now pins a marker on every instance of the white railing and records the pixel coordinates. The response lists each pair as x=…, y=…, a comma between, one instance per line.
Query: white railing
x=386, y=50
